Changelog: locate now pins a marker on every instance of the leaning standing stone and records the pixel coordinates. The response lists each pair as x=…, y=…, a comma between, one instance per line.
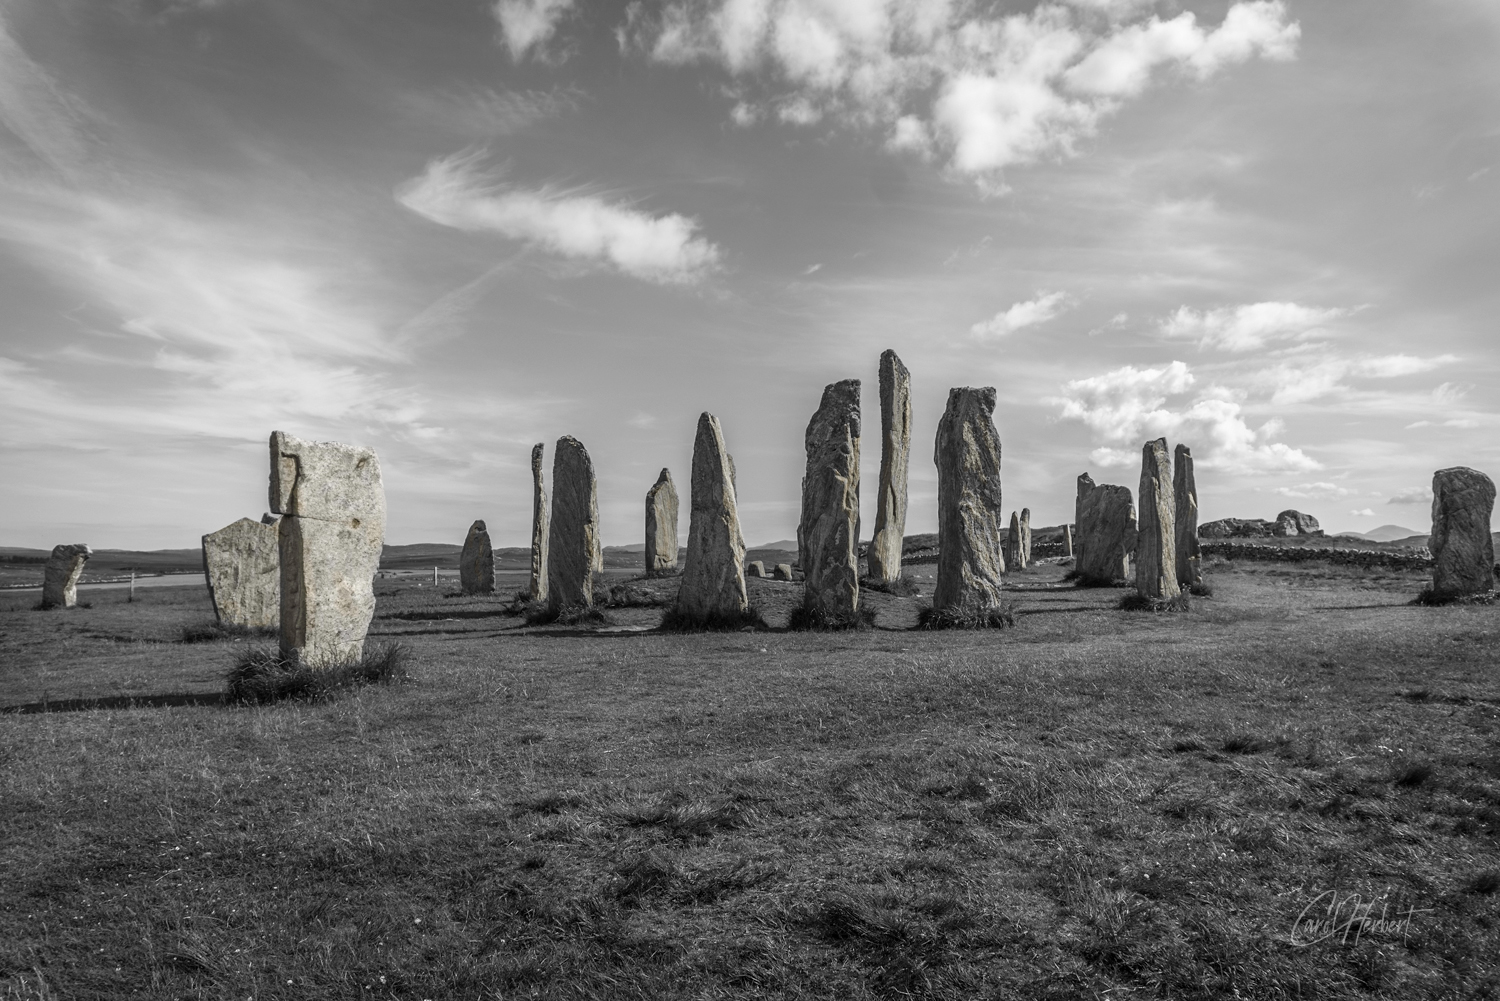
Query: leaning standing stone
x=1185, y=507
x=574, y=552
x=538, y=588
x=661, y=525
x=829, y=531
x=476, y=564
x=1106, y=537
x=1463, y=550
x=60, y=576
x=713, y=582
x=895, y=452
x=332, y=500
x=242, y=564
x=1156, y=543
x=967, y=453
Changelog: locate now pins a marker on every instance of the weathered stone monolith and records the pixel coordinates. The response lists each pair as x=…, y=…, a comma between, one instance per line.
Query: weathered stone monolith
x=1106, y=533
x=884, y=554
x=476, y=564
x=1185, y=507
x=242, y=564
x=783, y=571
x=755, y=568
x=1292, y=522
x=1025, y=551
x=574, y=552
x=1067, y=540
x=60, y=575
x=713, y=582
x=1156, y=541
x=661, y=525
x=829, y=528
x=1012, y=545
x=967, y=453
x=1463, y=550
x=332, y=502
x=538, y=584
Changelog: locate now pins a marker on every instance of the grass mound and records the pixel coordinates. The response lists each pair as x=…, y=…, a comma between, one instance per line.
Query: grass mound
x=1429, y=596
x=264, y=675
x=1137, y=602
x=537, y=614
x=635, y=596
x=901, y=587
x=1001, y=617
x=1080, y=580
x=677, y=621
x=1202, y=589
x=212, y=632
x=804, y=619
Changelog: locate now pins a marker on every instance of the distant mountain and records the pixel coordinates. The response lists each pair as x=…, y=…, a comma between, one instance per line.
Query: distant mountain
x=421, y=549
x=1385, y=533
x=785, y=545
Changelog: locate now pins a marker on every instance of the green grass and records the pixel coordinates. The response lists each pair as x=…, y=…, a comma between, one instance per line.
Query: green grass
x=1090, y=803
x=265, y=675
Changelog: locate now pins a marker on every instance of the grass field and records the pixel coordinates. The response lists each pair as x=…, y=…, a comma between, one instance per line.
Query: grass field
x=1093, y=803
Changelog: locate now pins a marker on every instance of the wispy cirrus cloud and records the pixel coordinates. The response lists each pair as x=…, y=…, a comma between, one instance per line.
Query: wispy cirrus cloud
x=452, y=191
x=1044, y=307
x=1417, y=495
x=485, y=113
x=527, y=25
x=1248, y=327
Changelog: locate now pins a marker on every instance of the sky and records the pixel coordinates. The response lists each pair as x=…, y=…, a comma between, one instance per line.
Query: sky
x=448, y=230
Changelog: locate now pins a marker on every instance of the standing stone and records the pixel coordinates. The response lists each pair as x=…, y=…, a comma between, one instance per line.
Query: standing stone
x=661, y=525
x=1025, y=551
x=538, y=586
x=829, y=529
x=1012, y=546
x=1463, y=550
x=242, y=564
x=60, y=576
x=967, y=453
x=1185, y=506
x=713, y=582
x=574, y=552
x=1067, y=540
x=1292, y=522
x=476, y=564
x=1106, y=536
x=783, y=571
x=332, y=501
x=755, y=568
x=895, y=452
x=1156, y=543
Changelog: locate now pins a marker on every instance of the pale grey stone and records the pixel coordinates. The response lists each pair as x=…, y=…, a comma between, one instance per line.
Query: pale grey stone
x=1156, y=541
x=242, y=564
x=1012, y=544
x=1185, y=508
x=661, y=525
x=538, y=583
x=332, y=501
x=783, y=571
x=60, y=575
x=476, y=564
x=1106, y=532
x=829, y=528
x=1291, y=522
x=1025, y=550
x=884, y=554
x=967, y=454
x=755, y=568
x=1067, y=540
x=713, y=582
x=574, y=551
x=1463, y=551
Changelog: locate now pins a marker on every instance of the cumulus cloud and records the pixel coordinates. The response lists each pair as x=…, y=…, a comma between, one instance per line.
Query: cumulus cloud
x=1046, y=306
x=1418, y=495
x=1314, y=491
x=1245, y=328
x=528, y=24
x=986, y=89
x=1363, y=512
x=453, y=192
x=1130, y=405
x=1310, y=378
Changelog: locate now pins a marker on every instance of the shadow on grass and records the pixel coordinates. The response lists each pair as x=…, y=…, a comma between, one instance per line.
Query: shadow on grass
x=213, y=632
x=901, y=587
x=1137, y=602
x=1432, y=597
x=455, y=613
x=804, y=619
x=170, y=699
x=267, y=676
x=1001, y=617
x=537, y=614
x=678, y=621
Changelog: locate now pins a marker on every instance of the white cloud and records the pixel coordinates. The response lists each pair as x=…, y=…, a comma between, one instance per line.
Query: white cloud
x=1303, y=379
x=1046, y=306
x=989, y=88
x=1419, y=495
x=452, y=192
x=1314, y=491
x=1456, y=422
x=1363, y=512
x=528, y=24
x=1245, y=328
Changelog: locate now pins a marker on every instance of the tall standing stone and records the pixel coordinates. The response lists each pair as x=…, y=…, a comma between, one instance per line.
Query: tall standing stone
x=476, y=564
x=967, y=453
x=1185, y=506
x=829, y=528
x=242, y=564
x=895, y=452
x=1025, y=537
x=661, y=525
x=538, y=585
x=1156, y=542
x=1067, y=540
x=1106, y=533
x=1012, y=547
x=574, y=552
x=1463, y=550
x=1085, y=487
x=713, y=582
x=332, y=502
x=60, y=575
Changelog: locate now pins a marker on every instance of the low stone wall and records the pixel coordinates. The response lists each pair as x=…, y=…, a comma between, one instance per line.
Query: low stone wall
x=1414, y=559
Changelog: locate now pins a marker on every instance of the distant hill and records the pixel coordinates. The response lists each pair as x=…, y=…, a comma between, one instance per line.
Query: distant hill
x=785, y=545
x=1385, y=533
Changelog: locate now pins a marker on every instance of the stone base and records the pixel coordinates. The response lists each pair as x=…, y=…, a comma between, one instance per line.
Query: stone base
x=1001, y=617
x=1140, y=603
x=1430, y=597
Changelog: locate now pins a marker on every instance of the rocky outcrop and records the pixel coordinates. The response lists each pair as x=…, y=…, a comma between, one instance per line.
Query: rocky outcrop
x=1236, y=528
x=1463, y=550
x=661, y=525
x=60, y=575
x=476, y=564
x=1185, y=508
x=1106, y=536
x=895, y=452
x=713, y=582
x=242, y=565
x=332, y=501
x=967, y=453
x=1156, y=539
x=828, y=532
x=1295, y=523
x=574, y=551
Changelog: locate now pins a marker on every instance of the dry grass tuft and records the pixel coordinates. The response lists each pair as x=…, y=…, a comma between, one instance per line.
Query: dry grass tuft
x=1002, y=616
x=264, y=675
x=678, y=621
